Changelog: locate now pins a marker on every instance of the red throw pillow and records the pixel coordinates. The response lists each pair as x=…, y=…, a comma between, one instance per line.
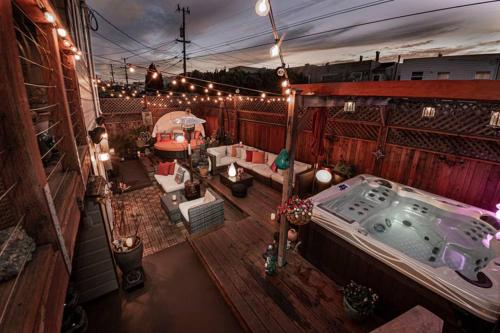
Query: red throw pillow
x=274, y=167
x=158, y=137
x=163, y=169
x=258, y=157
x=197, y=134
x=249, y=156
x=171, y=168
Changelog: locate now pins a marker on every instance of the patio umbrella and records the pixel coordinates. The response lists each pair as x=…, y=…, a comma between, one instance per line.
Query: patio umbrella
x=320, y=118
x=188, y=122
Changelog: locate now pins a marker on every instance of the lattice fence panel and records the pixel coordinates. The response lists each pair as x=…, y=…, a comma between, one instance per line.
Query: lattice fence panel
x=451, y=116
x=368, y=113
x=121, y=105
x=274, y=118
x=480, y=149
x=352, y=130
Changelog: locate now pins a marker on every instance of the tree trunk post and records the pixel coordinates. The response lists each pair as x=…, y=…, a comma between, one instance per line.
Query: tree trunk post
x=291, y=141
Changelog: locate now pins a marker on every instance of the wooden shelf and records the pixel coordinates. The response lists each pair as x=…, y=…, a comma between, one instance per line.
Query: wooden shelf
x=29, y=295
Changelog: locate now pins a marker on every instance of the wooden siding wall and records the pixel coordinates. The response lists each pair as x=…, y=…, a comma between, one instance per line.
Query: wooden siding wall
x=459, y=173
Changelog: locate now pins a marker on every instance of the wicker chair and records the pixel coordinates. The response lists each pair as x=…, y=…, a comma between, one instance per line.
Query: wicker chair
x=199, y=216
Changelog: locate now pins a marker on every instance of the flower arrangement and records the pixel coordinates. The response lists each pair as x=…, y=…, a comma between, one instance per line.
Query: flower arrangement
x=297, y=211
x=360, y=298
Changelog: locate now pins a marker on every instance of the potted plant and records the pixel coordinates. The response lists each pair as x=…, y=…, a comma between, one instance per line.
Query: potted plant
x=359, y=301
x=128, y=250
x=297, y=211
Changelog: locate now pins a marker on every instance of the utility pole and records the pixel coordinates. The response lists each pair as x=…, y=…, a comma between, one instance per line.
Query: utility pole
x=112, y=74
x=183, y=40
x=126, y=72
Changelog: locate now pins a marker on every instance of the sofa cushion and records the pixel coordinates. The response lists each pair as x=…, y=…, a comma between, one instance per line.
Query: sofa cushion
x=299, y=167
x=184, y=207
x=277, y=177
x=168, y=183
x=226, y=160
x=179, y=176
x=270, y=157
x=263, y=170
x=209, y=197
x=245, y=164
x=234, y=151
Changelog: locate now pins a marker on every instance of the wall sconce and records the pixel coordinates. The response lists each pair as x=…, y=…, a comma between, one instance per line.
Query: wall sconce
x=97, y=134
x=495, y=119
x=103, y=157
x=350, y=106
x=428, y=112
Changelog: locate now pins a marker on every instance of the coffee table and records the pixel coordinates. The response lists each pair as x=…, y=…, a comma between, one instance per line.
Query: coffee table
x=245, y=178
x=172, y=207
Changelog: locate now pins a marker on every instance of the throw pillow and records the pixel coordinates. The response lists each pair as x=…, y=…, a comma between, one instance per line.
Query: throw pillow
x=249, y=156
x=171, y=168
x=158, y=137
x=163, y=169
x=239, y=152
x=258, y=157
x=209, y=197
x=164, y=136
x=234, y=151
x=274, y=168
x=179, y=176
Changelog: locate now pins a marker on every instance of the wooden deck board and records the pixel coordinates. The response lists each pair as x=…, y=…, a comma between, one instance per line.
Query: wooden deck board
x=298, y=298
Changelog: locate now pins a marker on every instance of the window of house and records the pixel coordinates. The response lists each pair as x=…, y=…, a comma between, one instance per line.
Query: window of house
x=417, y=75
x=443, y=75
x=376, y=77
x=482, y=76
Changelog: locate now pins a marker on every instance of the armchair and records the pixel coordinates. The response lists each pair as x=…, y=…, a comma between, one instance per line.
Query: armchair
x=203, y=213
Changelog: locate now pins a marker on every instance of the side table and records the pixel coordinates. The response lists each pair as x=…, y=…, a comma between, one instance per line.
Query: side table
x=172, y=207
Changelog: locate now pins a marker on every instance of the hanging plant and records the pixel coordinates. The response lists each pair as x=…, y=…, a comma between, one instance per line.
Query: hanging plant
x=297, y=211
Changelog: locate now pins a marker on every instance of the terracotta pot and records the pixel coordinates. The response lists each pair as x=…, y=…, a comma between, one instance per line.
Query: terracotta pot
x=292, y=235
x=203, y=170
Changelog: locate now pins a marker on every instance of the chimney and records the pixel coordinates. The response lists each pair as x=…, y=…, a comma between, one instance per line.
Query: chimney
x=377, y=56
x=360, y=58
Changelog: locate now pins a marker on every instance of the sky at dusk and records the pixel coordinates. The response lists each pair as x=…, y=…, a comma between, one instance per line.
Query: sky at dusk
x=216, y=26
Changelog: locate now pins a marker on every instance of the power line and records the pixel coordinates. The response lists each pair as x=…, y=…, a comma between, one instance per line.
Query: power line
x=117, y=28
x=310, y=20
x=360, y=24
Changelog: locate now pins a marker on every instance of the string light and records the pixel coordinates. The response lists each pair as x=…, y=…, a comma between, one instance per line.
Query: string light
x=206, y=91
x=262, y=7
x=74, y=49
x=174, y=82
x=263, y=95
x=77, y=57
x=274, y=51
x=49, y=17
x=155, y=75
x=183, y=80
x=219, y=93
x=131, y=69
x=191, y=87
x=210, y=86
x=284, y=83
x=66, y=43
x=62, y=32
x=287, y=91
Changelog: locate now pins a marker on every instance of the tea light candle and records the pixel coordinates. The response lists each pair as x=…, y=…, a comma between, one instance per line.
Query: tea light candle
x=174, y=197
x=273, y=216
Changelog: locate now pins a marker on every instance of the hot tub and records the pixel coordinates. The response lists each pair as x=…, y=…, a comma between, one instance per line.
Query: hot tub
x=447, y=246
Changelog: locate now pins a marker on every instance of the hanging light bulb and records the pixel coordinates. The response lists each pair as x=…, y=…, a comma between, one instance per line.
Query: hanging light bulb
x=174, y=82
x=183, y=80
x=210, y=86
x=287, y=91
x=284, y=83
x=262, y=7
x=74, y=49
x=62, y=32
x=66, y=43
x=170, y=93
x=191, y=87
x=79, y=53
x=77, y=57
x=219, y=93
x=155, y=75
x=263, y=95
x=206, y=91
x=49, y=17
x=274, y=51
x=131, y=69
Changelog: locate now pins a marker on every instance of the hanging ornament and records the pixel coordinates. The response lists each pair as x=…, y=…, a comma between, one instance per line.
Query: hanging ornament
x=283, y=160
x=280, y=71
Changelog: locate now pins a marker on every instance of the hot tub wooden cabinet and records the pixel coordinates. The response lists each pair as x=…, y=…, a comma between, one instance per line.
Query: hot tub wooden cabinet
x=343, y=262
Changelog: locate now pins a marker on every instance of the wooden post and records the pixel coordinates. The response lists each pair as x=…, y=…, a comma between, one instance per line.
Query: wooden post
x=291, y=142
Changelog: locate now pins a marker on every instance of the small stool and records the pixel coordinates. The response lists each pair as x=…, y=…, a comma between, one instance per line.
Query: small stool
x=239, y=190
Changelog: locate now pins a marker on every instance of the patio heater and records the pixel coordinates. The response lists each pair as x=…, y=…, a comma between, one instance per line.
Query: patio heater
x=188, y=124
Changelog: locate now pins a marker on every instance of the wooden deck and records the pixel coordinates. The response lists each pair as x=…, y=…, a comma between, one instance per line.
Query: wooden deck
x=155, y=230
x=298, y=299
